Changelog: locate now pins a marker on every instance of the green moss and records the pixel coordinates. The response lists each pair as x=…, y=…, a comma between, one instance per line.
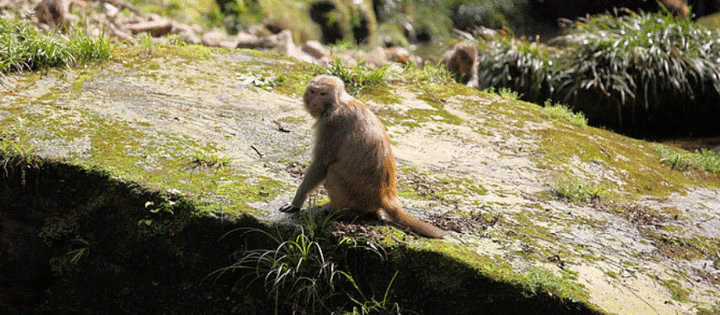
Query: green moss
x=714, y=309
x=83, y=76
x=679, y=293
x=537, y=279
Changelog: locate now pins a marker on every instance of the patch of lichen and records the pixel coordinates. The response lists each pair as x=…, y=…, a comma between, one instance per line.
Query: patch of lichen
x=161, y=161
x=682, y=247
x=413, y=184
x=530, y=282
x=133, y=54
x=415, y=117
x=82, y=76
x=379, y=95
x=633, y=161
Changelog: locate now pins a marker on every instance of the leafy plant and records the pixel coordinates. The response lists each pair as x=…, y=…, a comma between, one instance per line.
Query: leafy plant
x=82, y=249
x=371, y=306
x=507, y=93
x=12, y=155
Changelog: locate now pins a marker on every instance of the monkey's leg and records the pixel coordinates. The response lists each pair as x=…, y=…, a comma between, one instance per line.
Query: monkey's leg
x=314, y=175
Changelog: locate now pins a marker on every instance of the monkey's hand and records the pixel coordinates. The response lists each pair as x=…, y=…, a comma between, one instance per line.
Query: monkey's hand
x=289, y=208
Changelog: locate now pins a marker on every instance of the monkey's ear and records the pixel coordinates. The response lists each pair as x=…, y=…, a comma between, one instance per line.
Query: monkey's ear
x=289, y=208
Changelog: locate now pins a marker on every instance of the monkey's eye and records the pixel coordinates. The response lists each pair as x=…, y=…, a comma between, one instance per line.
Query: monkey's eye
x=323, y=93
x=312, y=91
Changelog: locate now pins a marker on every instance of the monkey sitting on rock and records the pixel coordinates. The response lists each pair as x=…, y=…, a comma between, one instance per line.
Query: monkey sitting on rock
x=352, y=158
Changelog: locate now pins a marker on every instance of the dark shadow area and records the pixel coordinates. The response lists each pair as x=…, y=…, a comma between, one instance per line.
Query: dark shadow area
x=331, y=31
x=80, y=241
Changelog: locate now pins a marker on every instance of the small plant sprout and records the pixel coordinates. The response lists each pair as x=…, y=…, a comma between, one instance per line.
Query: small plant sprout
x=209, y=160
x=578, y=192
x=509, y=94
x=358, y=78
x=564, y=113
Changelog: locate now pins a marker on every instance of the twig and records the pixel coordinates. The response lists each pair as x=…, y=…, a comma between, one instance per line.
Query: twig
x=281, y=128
x=256, y=151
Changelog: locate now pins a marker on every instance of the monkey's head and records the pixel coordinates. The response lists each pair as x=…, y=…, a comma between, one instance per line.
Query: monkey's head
x=322, y=93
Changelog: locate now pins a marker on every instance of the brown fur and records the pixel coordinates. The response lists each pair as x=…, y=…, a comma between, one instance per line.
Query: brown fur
x=678, y=8
x=56, y=13
x=352, y=156
x=462, y=61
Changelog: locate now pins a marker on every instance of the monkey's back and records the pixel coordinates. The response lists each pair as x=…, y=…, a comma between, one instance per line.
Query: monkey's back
x=363, y=166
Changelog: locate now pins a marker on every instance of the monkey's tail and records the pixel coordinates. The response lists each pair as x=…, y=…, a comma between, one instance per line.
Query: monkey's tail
x=418, y=226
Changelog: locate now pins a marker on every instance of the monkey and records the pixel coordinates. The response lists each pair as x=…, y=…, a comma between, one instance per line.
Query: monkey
x=352, y=158
x=678, y=8
x=56, y=13
x=462, y=61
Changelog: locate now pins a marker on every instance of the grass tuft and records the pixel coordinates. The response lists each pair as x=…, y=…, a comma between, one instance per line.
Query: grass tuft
x=632, y=72
x=564, y=113
x=359, y=78
x=702, y=160
x=305, y=269
x=209, y=160
x=578, y=192
x=23, y=48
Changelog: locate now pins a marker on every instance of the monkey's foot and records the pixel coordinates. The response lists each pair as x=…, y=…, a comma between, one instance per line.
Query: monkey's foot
x=289, y=208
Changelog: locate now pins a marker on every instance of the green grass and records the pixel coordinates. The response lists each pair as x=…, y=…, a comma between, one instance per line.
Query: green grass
x=634, y=72
x=305, y=269
x=359, y=78
x=563, y=113
x=209, y=160
x=509, y=94
x=702, y=160
x=23, y=48
x=578, y=192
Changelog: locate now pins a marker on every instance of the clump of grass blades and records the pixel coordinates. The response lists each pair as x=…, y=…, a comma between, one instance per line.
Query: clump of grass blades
x=647, y=62
x=525, y=67
x=621, y=71
x=209, y=160
x=702, y=160
x=12, y=155
x=23, y=48
x=358, y=78
x=306, y=270
x=564, y=113
x=578, y=192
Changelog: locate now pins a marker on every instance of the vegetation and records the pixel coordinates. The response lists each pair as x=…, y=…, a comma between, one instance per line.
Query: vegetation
x=563, y=113
x=307, y=269
x=636, y=72
x=209, y=160
x=578, y=192
x=23, y=48
x=702, y=160
x=359, y=78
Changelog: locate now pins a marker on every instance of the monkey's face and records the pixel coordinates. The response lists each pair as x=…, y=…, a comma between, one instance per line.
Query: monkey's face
x=321, y=94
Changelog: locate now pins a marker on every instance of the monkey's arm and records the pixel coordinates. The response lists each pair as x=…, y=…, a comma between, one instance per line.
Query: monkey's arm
x=314, y=175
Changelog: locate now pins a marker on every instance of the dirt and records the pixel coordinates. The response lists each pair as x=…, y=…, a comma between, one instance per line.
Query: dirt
x=482, y=179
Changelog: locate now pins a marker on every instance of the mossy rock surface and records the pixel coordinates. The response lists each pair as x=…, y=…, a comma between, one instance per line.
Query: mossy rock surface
x=119, y=199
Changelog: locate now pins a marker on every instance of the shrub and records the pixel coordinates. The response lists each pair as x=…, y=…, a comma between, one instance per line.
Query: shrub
x=639, y=72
